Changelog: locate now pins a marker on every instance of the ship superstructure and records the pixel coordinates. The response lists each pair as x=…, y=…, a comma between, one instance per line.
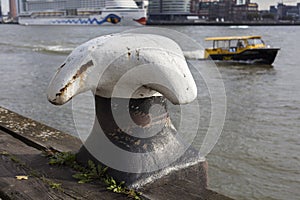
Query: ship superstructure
x=81, y=12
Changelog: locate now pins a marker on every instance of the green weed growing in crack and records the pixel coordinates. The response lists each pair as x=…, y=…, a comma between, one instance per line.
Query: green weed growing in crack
x=53, y=185
x=92, y=173
x=4, y=153
x=66, y=158
x=113, y=186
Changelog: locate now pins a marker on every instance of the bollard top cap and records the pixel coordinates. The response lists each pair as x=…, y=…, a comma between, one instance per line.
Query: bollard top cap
x=128, y=65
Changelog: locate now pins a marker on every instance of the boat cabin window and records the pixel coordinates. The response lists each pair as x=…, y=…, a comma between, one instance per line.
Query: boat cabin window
x=233, y=45
x=240, y=44
x=255, y=41
x=224, y=44
x=230, y=45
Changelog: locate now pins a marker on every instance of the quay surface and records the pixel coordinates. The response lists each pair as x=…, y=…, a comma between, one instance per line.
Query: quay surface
x=22, y=142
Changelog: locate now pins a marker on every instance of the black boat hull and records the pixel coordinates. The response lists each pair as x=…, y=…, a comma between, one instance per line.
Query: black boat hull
x=251, y=56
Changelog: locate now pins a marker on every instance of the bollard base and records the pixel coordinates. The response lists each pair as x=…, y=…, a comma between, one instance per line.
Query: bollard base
x=188, y=167
x=136, y=139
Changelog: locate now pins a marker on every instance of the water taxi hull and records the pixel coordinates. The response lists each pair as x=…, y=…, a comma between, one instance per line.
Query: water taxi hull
x=251, y=56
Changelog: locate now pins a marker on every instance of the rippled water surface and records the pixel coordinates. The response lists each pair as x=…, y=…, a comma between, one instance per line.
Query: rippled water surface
x=257, y=155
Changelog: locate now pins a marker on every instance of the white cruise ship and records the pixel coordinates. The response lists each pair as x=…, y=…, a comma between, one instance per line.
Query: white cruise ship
x=82, y=12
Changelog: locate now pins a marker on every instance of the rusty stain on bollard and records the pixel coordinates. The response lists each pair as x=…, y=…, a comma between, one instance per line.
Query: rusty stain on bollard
x=82, y=69
x=165, y=57
x=155, y=70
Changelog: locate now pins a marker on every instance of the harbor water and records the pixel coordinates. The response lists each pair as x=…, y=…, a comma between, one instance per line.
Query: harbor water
x=257, y=155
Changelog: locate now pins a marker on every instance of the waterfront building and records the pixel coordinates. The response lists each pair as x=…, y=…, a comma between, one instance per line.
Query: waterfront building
x=245, y=12
x=168, y=9
x=204, y=9
x=285, y=12
x=288, y=12
x=273, y=10
x=225, y=10
x=13, y=9
x=221, y=10
x=241, y=2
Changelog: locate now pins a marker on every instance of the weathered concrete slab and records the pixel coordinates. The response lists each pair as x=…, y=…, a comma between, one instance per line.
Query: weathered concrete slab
x=17, y=158
x=21, y=140
x=37, y=134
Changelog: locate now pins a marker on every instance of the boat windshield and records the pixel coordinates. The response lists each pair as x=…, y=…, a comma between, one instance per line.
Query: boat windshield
x=255, y=41
x=221, y=44
x=227, y=44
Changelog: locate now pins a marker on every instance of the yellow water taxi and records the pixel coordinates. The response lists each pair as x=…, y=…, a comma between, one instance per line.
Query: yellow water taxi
x=245, y=49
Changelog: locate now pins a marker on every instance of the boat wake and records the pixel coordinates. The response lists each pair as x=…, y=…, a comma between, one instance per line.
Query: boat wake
x=59, y=49
x=194, y=55
x=239, y=27
x=53, y=49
